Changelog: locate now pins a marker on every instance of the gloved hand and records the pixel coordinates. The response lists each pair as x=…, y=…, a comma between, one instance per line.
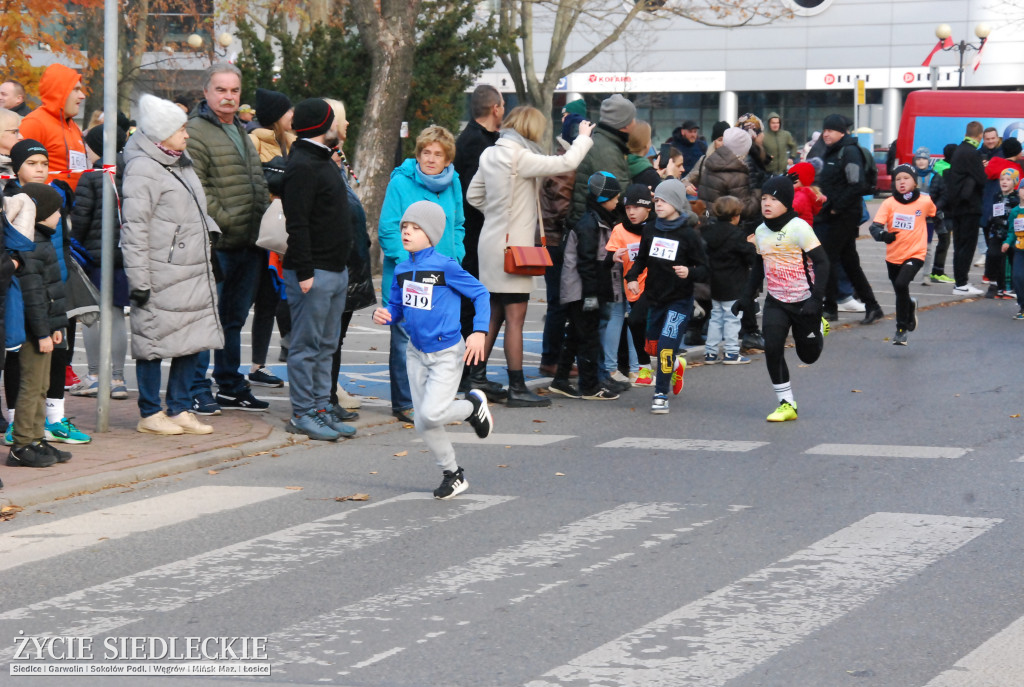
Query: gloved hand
x=590, y=304
x=742, y=305
x=139, y=297
x=812, y=306
x=888, y=237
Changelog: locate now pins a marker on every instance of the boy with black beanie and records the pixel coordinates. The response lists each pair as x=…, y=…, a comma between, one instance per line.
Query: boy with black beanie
x=901, y=223
x=42, y=291
x=785, y=246
x=674, y=258
x=622, y=248
x=585, y=284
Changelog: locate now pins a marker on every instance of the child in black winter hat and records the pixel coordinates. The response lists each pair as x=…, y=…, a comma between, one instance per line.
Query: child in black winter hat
x=729, y=258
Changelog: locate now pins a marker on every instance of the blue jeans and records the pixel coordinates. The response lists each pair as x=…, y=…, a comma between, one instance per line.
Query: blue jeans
x=613, y=315
x=241, y=269
x=179, y=396
x=316, y=328
x=723, y=328
x=557, y=314
x=401, y=396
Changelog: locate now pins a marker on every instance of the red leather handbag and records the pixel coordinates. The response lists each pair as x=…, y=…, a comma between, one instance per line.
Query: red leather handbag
x=531, y=261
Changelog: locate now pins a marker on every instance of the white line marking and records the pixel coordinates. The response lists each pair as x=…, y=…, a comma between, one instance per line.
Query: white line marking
x=885, y=451
x=533, y=568
x=683, y=444
x=996, y=663
x=91, y=529
x=507, y=439
x=727, y=633
x=105, y=607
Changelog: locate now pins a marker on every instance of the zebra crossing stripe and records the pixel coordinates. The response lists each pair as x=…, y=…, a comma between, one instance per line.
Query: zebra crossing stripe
x=551, y=561
x=39, y=542
x=506, y=439
x=886, y=451
x=102, y=608
x=651, y=443
x=996, y=663
x=728, y=633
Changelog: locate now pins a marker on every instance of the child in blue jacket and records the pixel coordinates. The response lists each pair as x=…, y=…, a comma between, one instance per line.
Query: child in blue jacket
x=426, y=294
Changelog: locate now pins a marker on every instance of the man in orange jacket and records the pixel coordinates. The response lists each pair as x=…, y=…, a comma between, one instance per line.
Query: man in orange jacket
x=53, y=123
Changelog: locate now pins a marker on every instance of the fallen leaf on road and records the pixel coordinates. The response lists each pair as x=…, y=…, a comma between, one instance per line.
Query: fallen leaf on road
x=374, y=472
x=294, y=488
x=275, y=455
x=857, y=391
x=353, y=497
x=8, y=512
x=508, y=447
x=559, y=474
x=401, y=453
x=956, y=395
x=502, y=466
x=541, y=421
x=212, y=472
x=373, y=348
x=1017, y=415
x=407, y=427
x=361, y=386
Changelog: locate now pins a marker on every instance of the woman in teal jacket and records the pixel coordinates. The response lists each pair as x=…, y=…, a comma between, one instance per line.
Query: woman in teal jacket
x=431, y=176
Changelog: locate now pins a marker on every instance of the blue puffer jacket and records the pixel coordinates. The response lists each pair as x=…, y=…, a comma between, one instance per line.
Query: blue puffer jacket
x=404, y=189
x=439, y=327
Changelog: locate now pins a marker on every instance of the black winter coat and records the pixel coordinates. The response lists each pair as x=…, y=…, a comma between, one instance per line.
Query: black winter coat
x=42, y=289
x=87, y=215
x=965, y=180
x=472, y=142
x=584, y=271
x=663, y=285
x=840, y=179
x=730, y=257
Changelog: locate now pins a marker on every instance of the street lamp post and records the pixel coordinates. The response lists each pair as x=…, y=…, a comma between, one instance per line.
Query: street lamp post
x=943, y=32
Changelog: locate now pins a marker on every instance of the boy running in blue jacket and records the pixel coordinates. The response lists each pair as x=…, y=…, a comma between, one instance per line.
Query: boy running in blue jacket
x=426, y=295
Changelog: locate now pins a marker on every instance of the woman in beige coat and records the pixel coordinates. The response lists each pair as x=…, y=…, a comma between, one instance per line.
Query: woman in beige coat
x=505, y=190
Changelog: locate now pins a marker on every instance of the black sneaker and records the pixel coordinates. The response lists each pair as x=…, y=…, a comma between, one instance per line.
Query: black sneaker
x=341, y=414
x=601, y=393
x=452, y=484
x=612, y=385
x=872, y=315
x=564, y=388
x=913, y=323
x=241, y=400
x=480, y=418
x=264, y=377
x=203, y=404
x=900, y=339
x=61, y=456
x=30, y=456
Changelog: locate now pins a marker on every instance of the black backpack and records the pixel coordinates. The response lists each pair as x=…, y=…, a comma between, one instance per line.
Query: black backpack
x=869, y=183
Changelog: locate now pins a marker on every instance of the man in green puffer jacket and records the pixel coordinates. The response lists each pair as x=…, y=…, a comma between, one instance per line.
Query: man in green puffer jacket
x=609, y=152
x=779, y=144
x=230, y=171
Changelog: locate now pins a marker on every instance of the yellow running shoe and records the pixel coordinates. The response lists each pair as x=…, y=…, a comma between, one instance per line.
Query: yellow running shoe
x=677, y=374
x=784, y=413
x=825, y=327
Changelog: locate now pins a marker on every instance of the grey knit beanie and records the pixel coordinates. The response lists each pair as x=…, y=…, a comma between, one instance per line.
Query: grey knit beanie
x=617, y=112
x=737, y=141
x=429, y=217
x=158, y=118
x=673, y=192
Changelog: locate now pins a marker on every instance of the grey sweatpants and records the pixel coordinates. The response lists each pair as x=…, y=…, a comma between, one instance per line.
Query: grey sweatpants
x=434, y=382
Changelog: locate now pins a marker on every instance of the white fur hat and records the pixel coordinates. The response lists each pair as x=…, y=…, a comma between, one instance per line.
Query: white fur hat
x=159, y=118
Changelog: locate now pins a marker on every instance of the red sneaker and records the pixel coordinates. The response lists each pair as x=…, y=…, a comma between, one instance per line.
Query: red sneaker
x=677, y=374
x=70, y=378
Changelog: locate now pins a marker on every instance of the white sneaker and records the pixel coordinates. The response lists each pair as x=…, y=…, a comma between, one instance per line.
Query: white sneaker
x=966, y=290
x=189, y=424
x=851, y=304
x=980, y=262
x=347, y=400
x=158, y=424
x=619, y=377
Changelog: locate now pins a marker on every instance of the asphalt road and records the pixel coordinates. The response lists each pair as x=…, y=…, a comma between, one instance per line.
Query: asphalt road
x=875, y=541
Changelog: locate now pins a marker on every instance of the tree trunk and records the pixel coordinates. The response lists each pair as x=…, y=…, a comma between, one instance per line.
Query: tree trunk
x=390, y=38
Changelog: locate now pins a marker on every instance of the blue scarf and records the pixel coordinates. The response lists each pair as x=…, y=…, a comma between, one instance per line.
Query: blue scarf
x=436, y=183
x=670, y=224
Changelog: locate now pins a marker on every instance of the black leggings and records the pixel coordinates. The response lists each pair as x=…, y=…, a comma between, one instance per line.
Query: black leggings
x=901, y=276
x=267, y=307
x=776, y=321
x=636, y=320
